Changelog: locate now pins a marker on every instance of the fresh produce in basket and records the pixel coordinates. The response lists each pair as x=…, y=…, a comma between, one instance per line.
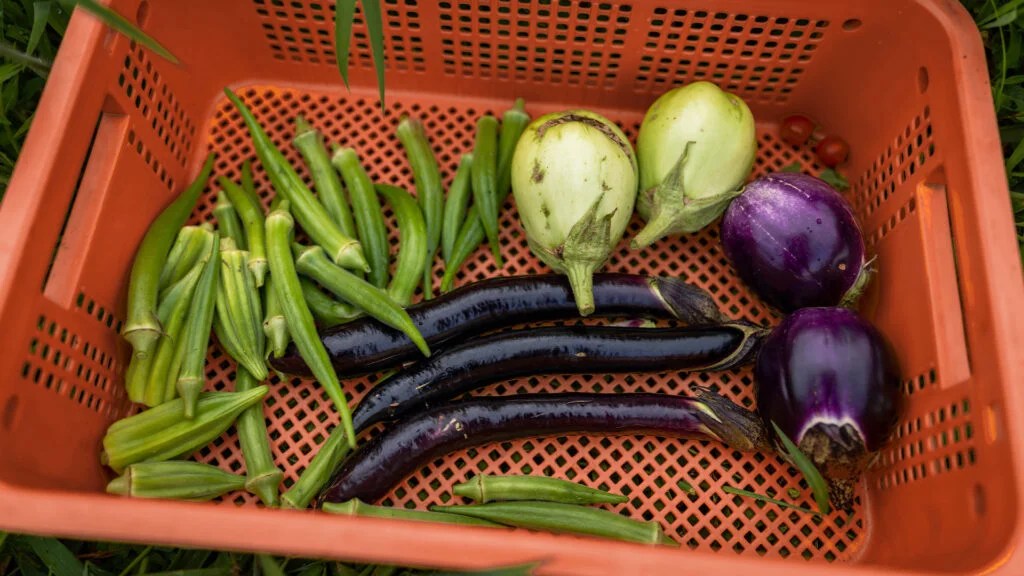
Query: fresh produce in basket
x=695, y=149
x=365, y=345
x=829, y=380
x=794, y=240
x=574, y=178
x=375, y=468
x=176, y=480
x=509, y=354
x=484, y=488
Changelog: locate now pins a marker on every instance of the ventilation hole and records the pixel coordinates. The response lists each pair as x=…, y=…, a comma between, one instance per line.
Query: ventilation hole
x=852, y=24
x=922, y=79
x=142, y=13
x=10, y=412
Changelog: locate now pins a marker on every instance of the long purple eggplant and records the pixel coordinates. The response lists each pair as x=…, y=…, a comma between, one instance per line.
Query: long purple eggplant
x=365, y=345
x=555, y=350
x=374, y=469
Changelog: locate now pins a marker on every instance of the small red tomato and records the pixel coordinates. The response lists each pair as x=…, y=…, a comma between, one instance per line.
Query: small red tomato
x=796, y=129
x=832, y=151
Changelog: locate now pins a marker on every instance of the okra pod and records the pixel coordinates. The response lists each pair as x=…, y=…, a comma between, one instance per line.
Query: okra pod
x=468, y=240
x=326, y=310
x=161, y=433
x=567, y=518
x=357, y=507
x=311, y=262
x=189, y=246
x=310, y=144
x=228, y=223
x=173, y=306
x=301, y=325
x=319, y=471
x=455, y=206
x=414, y=252
x=429, y=192
x=196, y=335
x=262, y=477
x=484, y=488
x=239, y=321
x=251, y=212
x=513, y=123
x=368, y=213
x=484, y=179
x=142, y=329
x=314, y=219
x=275, y=327
x=163, y=375
x=175, y=480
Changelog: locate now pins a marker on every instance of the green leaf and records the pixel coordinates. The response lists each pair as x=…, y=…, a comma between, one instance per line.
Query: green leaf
x=3, y=538
x=344, y=14
x=763, y=498
x=375, y=29
x=834, y=179
x=810, y=472
x=1015, y=157
x=122, y=25
x=794, y=167
x=55, y=556
x=269, y=566
x=1002, y=16
x=686, y=487
x=40, y=16
x=8, y=71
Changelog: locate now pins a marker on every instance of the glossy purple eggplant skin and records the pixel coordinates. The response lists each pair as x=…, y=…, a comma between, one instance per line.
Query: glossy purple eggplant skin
x=374, y=469
x=366, y=345
x=831, y=382
x=794, y=240
x=554, y=350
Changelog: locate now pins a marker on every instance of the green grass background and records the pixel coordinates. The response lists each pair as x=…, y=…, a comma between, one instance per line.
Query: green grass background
x=30, y=34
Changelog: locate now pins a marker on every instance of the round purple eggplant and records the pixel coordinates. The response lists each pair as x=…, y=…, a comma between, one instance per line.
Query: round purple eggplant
x=830, y=381
x=794, y=240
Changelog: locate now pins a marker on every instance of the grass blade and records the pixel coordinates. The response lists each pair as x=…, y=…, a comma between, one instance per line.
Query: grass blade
x=763, y=498
x=810, y=472
x=1015, y=157
x=122, y=25
x=344, y=14
x=375, y=30
x=40, y=16
x=58, y=559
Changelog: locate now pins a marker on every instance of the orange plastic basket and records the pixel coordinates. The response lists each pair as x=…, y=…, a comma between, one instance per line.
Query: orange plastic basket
x=120, y=131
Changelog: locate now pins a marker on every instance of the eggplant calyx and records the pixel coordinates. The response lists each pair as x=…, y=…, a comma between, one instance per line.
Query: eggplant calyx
x=838, y=451
x=735, y=426
x=585, y=249
x=753, y=337
x=686, y=302
x=852, y=296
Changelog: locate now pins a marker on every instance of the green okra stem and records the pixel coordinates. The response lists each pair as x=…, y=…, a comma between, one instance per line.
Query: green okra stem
x=414, y=254
x=468, y=240
x=559, y=517
x=161, y=433
x=228, y=223
x=263, y=478
x=196, y=335
x=204, y=235
x=239, y=320
x=344, y=250
x=513, y=123
x=162, y=376
x=484, y=488
x=188, y=247
x=483, y=175
x=175, y=480
x=429, y=191
x=311, y=262
x=251, y=212
x=275, y=327
x=319, y=471
x=142, y=328
x=301, y=324
x=369, y=216
x=356, y=507
x=455, y=206
x=326, y=310
x=310, y=144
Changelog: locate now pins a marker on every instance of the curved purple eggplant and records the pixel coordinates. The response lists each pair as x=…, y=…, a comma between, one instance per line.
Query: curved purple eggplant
x=365, y=345
x=555, y=350
x=375, y=468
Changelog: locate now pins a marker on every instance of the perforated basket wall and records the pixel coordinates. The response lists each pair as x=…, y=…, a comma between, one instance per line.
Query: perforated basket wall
x=139, y=127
